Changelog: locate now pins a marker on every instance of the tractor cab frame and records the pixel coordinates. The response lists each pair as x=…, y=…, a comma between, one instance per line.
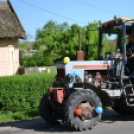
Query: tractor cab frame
x=118, y=26
x=121, y=27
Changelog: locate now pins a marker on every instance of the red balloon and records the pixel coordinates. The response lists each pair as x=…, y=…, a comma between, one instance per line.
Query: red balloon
x=78, y=111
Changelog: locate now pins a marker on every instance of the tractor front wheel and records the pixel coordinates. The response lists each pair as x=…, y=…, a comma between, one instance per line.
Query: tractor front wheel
x=79, y=110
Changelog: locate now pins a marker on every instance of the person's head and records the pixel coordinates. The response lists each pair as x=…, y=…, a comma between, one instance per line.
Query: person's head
x=131, y=37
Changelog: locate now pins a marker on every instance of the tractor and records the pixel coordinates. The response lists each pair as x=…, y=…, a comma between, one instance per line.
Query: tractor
x=82, y=88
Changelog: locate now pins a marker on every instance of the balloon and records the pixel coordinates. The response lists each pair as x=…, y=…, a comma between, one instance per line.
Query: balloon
x=78, y=111
x=76, y=73
x=98, y=110
x=66, y=59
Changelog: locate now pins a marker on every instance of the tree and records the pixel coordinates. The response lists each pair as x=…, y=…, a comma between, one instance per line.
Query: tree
x=56, y=41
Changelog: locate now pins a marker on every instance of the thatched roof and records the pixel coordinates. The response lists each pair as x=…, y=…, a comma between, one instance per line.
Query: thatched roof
x=10, y=26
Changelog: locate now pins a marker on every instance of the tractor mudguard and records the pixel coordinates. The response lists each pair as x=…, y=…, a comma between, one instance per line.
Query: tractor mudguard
x=105, y=98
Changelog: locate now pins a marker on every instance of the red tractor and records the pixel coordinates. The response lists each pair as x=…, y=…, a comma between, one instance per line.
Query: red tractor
x=82, y=88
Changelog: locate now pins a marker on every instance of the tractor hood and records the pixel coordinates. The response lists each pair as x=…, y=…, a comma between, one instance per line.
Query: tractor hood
x=90, y=65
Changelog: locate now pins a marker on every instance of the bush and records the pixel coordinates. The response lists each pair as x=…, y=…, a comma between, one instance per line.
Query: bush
x=18, y=93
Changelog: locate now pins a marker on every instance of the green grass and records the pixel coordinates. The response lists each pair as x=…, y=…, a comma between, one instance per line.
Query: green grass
x=23, y=115
x=19, y=116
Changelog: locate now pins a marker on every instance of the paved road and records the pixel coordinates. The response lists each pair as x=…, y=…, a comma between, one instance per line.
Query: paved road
x=111, y=123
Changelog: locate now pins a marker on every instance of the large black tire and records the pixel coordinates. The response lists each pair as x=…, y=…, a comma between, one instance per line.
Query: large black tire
x=46, y=111
x=70, y=106
x=121, y=108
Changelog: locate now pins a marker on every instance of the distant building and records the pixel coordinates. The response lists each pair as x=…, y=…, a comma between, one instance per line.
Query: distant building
x=113, y=42
x=10, y=31
x=24, y=52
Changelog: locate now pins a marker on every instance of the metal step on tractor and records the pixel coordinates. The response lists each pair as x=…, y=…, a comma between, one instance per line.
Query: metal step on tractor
x=82, y=88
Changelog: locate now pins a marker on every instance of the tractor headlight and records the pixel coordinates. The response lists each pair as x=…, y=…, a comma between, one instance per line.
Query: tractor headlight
x=78, y=79
x=70, y=77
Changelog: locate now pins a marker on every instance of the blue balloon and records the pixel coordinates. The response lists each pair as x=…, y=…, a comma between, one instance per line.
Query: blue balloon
x=98, y=110
x=76, y=73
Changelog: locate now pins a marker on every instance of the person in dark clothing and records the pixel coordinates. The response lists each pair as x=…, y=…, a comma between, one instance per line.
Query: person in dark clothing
x=130, y=54
x=130, y=46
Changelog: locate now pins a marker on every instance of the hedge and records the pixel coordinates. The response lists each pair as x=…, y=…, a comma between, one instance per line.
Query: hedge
x=19, y=93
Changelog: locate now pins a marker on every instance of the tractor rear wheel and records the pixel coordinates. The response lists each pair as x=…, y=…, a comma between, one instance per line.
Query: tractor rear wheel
x=121, y=108
x=46, y=111
x=86, y=101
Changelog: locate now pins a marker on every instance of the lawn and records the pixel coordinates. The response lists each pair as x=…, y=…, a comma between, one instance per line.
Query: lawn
x=23, y=115
x=19, y=116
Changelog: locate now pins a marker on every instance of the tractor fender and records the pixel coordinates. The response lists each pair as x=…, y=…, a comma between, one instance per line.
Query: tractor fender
x=104, y=96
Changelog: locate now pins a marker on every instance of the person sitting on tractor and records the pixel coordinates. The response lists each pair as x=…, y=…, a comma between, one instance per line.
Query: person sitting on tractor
x=130, y=46
x=130, y=55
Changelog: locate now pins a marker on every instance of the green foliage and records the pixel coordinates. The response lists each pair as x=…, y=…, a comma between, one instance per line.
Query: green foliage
x=24, y=46
x=60, y=40
x=56, y=41
x=38, y=60
x=9, y=116
x=18, y=93
x=107, y=48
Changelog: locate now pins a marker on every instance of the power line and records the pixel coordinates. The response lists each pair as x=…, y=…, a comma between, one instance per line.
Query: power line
x=98, y=7
x=50, y=12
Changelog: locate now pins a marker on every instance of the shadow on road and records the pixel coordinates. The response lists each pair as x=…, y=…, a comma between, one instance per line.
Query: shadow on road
x=109, y=116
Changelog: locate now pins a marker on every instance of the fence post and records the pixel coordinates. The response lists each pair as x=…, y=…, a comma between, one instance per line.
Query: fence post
x=48, y=70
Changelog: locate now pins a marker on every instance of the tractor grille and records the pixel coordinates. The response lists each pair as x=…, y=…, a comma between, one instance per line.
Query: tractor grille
x=60, y=74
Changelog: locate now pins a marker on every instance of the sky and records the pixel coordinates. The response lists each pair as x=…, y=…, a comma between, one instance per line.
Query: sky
x=34, y=14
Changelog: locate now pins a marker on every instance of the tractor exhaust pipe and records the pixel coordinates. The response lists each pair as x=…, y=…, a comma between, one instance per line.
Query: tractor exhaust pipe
x=79, y=39
x=79, y=54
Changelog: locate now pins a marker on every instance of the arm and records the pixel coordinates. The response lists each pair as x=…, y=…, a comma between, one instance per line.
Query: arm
x=131, y=56
x=129, y=50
